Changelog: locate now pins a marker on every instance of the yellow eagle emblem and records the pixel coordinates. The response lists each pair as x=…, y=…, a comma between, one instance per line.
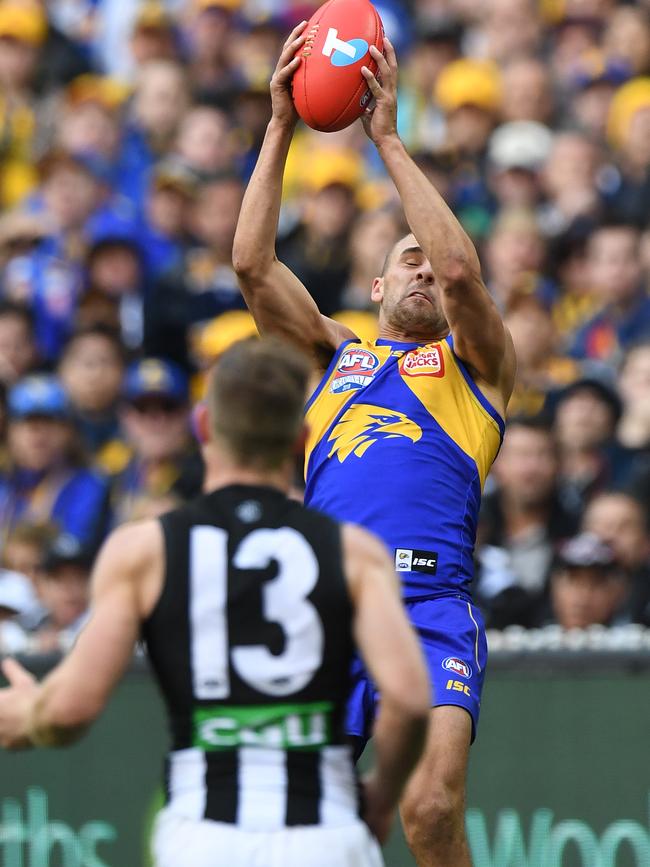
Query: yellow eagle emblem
x=363, y=424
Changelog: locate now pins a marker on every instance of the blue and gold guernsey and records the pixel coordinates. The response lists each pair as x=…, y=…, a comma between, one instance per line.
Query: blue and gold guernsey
x=400, y=441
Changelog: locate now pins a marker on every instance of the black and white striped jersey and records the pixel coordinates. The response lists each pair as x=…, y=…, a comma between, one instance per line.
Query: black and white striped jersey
x=251, y=642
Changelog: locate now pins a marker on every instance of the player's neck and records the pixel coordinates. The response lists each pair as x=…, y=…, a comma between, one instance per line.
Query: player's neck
x=222, y=471
x=396, y=335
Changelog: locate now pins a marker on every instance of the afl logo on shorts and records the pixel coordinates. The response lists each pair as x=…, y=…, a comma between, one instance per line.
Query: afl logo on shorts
x=428, y=362
x=355, y=370
x=453, y=663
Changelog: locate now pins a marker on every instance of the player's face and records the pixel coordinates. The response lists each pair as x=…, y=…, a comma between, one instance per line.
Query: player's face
x=407, y=292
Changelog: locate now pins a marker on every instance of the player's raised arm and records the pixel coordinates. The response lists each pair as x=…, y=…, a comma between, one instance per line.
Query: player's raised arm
x=480, y=337
x=391, y=653
x=277, y=299
x=59, y=710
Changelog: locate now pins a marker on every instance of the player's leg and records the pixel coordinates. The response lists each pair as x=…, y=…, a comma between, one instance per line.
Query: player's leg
x=433, y=805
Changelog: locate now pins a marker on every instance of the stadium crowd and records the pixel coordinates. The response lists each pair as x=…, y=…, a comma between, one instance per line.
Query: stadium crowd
x=129, y=129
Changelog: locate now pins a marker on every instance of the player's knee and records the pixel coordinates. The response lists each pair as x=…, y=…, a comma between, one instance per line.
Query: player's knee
x=437, y=816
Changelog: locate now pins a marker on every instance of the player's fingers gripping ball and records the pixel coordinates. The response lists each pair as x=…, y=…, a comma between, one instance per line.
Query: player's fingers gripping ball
x=328, y=89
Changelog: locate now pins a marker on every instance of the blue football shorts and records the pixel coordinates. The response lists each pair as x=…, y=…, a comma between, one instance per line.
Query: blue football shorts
x=452, y=637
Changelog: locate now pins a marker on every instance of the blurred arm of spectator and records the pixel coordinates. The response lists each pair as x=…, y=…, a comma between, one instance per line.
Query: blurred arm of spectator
x=520, y=524
x=204, y=284
x=18, y=352
x=588, y=586
x=619, y=520
x=617, y=282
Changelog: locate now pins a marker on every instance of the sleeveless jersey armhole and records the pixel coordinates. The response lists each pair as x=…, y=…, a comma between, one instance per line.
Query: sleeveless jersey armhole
x=476, y=391
x=330, y=368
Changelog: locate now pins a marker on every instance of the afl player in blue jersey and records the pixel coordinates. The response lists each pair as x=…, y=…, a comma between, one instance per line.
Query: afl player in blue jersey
x=403, y=429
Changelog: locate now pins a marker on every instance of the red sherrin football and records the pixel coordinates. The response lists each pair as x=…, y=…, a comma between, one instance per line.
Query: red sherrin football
x=328, y=89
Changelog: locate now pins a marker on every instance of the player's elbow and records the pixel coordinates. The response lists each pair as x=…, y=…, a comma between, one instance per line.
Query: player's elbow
x=250, y=263
x=457, y=271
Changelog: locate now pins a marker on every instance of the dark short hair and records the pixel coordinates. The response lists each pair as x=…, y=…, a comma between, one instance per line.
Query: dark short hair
x=256, y=399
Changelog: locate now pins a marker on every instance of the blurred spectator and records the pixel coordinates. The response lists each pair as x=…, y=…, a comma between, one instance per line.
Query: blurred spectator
x=469, y=92
x=570, y=183
x=18, y=353
x=594, y=84
x=633, y=430
x=317, y=250
x=515, y=254
x=159, y=102
x=616, y=277
x=629, y=136
x=541, y=370
x=115, y=269
x=527, y=90
x=619, y=520
x=205, y=142
x=203, y=284
x=153, y=36
x=18, y=600
x=588, y=586
x=208, y=31
x=23, y=29
x=25, y=546
x=520, y=523
x=586, y=415
x=510, y=28
x=627, y=38
x=45, y=478
x=516, y=153
x=160, y=457
x=372, y=237
x=91, y=370
x=90, y=122
x=63, y=587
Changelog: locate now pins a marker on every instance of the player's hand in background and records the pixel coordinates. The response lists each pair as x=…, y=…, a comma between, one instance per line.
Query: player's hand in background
x=377, y=813
x=16, y=704
x=281, y=101
x=380, y=119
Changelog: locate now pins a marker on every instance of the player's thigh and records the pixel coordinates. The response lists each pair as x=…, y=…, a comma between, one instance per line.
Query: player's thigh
x=437, y=784
x=180, y=842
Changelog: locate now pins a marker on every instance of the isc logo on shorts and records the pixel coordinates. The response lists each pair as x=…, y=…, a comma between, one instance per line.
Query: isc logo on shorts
x=458, y=666
x=356, y=369
x=428, y=362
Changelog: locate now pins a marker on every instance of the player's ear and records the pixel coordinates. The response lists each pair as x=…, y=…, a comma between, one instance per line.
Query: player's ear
x=201, y=422
x=377, y=291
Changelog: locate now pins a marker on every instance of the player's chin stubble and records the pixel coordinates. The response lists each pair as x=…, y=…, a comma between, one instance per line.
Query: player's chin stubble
x=420, y=319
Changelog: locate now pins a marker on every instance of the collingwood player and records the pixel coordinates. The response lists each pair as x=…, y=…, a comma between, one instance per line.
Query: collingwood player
x=250, y=606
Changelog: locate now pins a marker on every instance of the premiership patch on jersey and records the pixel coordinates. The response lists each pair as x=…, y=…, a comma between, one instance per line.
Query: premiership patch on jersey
x=410, y=560
x=429, y=362
x=355, y=370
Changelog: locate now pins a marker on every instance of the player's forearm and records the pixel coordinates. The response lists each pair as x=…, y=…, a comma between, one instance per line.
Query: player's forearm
x=444, y=241
x=55, y=720
x=398, y=740
x=254, y=244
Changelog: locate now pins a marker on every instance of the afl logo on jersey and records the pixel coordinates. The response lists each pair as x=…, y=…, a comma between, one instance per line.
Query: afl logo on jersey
x=428, y=362
x=458, y=666
x=355, y=370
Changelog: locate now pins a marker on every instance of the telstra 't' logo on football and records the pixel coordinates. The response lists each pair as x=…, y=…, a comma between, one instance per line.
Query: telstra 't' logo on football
x=342, y=53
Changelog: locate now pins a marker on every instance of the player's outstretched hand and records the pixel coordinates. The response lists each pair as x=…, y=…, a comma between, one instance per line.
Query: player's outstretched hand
x=380, y=119
x=281, y=101
x=16, y=702
x=377, y=814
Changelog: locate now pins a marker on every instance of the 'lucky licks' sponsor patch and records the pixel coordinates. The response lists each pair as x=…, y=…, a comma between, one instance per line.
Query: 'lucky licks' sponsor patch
x=423, y=362
x=355, y=370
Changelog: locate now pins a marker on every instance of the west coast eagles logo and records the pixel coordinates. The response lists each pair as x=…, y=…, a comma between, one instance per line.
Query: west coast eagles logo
x=363, y=424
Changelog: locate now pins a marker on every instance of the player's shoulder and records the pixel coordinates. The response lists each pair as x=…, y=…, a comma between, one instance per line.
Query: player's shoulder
x=134, y=542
